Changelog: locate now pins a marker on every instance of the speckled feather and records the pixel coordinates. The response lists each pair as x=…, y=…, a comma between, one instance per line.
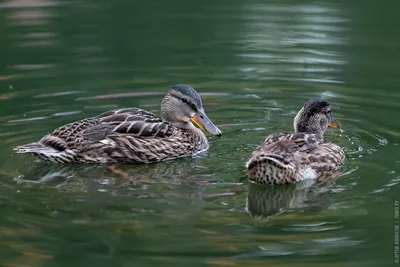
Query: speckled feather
x=128, y=135
x=290, y=157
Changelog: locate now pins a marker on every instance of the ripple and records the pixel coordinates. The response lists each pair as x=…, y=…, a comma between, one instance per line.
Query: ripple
x=32, y=3
x=58, y=94
x=309, y=229
x=121, y=95
x=58, y=114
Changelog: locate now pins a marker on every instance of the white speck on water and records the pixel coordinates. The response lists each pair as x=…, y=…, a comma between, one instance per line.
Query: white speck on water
x=253, y=129
x=383, y=141
x=67, y=113
x=252, y=96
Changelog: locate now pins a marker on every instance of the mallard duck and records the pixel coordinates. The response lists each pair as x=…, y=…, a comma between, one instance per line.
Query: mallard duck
x=131, y=135
x=286, y=158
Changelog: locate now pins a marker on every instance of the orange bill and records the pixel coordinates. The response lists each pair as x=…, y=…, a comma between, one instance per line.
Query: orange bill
x=204, y=123
x=334, y=124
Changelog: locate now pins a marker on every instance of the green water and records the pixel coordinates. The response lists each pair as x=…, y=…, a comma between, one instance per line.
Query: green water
x=255, y=64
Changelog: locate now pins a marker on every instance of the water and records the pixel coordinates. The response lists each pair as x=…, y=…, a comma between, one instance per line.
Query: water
x=255, y=63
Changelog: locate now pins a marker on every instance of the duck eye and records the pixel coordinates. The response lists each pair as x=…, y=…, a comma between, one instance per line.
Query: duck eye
x=184, y=100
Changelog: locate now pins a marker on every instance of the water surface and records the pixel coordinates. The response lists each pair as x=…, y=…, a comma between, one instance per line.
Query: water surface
x=255, y=63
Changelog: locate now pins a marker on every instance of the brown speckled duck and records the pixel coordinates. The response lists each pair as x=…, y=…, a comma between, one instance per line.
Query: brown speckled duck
x=286, y=158
x=131, y=135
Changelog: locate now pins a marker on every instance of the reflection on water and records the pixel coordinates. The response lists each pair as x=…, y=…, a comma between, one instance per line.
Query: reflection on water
x=83, y=177
x=265, y=201
x=254, y=63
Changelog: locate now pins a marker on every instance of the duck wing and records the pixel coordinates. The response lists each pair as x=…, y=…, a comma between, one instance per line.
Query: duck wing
x=134, y=122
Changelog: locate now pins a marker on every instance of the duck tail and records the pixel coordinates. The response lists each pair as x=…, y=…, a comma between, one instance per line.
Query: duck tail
x=271, y=169
x=35, y=147
x=267, y=159
x=47, y=153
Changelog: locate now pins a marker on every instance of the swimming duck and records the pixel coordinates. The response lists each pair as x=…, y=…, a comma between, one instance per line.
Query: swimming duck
x=286, y=158
x=131, y=135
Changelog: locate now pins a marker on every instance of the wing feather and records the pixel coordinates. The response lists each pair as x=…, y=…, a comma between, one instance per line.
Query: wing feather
x=131, y=121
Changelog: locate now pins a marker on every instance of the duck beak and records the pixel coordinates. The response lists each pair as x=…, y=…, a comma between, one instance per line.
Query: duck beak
x=204, y=123
x=334, y=124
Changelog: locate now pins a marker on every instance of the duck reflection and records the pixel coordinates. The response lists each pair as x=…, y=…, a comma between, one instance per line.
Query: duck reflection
x=265, y=200
x=71, y=176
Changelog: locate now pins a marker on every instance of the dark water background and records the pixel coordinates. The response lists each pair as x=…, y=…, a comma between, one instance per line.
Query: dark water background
x=255, y=63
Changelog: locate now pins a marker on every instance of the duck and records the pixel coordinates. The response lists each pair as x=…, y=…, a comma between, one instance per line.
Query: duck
x=290, y=157
x=131, y=135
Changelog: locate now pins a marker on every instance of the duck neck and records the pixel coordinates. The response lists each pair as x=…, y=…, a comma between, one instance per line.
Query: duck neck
x=200, y=139
x=306, y=124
